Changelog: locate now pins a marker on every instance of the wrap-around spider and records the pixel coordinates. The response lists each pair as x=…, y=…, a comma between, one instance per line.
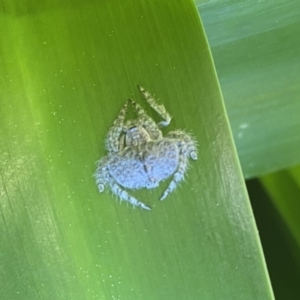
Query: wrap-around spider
x=139, y=156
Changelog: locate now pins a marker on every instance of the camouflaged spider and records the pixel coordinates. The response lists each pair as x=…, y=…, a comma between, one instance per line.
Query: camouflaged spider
x=139, y=156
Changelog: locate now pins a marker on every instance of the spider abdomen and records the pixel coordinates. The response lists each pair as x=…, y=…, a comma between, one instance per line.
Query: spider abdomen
x=145, y=165
x=160, y=159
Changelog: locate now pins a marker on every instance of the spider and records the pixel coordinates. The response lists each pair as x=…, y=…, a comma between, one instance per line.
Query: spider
x=139, y=156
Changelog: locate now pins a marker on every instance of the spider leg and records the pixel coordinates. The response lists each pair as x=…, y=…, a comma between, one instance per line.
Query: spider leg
x=160, y=109
x=145, y=121
x=112, y=141
x=187, y=144
x=123, y=195
x=188, y=148
x=177, y=177
x=103, y=178
x=101, y=175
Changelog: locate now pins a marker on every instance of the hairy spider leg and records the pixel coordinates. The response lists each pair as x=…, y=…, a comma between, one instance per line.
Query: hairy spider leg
x=189, y=146
x=160, y=109
x=123, y=195
x=145, y=121
x=103, y=178
x=112, y=142
x=177, y=177
x=187, y=149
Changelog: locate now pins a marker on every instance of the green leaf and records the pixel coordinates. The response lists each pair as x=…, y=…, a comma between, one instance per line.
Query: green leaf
x=284, y=190
x=67, y=69
x=280, y=246
x=255, y=46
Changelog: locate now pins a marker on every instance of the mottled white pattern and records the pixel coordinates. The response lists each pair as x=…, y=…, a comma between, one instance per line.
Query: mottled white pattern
x=140, y=157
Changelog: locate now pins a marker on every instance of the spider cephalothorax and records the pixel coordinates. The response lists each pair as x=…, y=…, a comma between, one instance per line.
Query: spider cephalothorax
x=139, y=156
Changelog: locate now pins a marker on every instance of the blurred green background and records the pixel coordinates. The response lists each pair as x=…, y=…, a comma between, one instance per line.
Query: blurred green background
x=256, y=50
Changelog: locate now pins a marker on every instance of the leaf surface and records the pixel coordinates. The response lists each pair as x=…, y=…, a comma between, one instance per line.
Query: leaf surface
x=67, y=69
